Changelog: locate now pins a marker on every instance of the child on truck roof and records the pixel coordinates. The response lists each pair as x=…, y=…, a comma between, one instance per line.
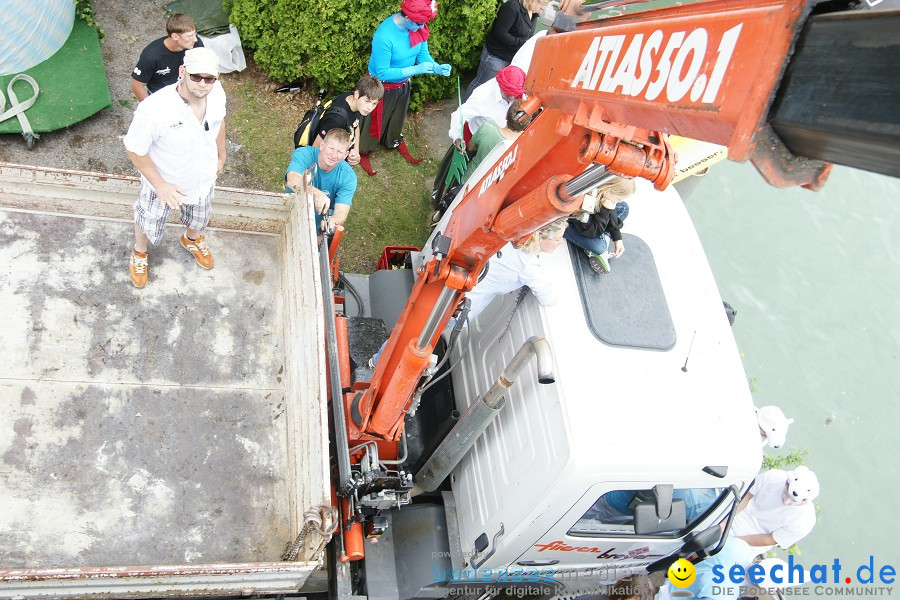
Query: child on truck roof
x=594, y=232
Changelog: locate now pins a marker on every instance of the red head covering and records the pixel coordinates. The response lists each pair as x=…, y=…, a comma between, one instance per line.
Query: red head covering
x=419, y=11
x=511, y=81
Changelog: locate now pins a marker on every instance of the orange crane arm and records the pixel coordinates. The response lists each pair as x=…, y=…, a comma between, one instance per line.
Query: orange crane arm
x=608, y=92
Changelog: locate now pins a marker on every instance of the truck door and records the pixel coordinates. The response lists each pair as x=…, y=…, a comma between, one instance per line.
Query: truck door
x=595, y=540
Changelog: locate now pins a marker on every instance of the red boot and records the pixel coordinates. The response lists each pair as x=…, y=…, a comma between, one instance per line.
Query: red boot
x=404, y=152
x=366, y=165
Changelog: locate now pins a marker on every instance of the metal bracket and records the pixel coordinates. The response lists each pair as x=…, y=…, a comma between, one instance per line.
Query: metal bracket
x=497, y=535
x=782, y=168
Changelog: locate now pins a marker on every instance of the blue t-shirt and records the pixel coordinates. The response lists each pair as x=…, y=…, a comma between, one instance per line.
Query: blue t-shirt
x=339, y=184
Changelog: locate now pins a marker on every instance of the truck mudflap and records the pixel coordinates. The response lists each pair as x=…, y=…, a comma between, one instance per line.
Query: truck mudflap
x=164, y=581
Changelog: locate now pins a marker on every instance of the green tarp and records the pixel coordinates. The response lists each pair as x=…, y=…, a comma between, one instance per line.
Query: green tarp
x=73, y=84
x=209, y=15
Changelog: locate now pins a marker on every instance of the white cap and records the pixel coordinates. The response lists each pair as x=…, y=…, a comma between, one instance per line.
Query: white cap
x=201, y=61
x=774, y=424
x=802, y=484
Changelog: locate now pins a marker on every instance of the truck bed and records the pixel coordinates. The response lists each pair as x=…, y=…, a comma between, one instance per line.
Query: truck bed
x=181, y=424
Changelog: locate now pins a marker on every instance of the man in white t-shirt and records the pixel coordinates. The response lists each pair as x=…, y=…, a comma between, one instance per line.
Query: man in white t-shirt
x=489, y=102
x=778, y=509
x=511, y=269
x=177, y=142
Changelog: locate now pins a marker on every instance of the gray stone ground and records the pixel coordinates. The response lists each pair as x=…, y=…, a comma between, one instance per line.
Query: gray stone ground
x=432, y=123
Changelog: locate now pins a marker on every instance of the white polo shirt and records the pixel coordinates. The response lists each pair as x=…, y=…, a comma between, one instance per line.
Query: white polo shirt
x=182, y=148
x=485, y=104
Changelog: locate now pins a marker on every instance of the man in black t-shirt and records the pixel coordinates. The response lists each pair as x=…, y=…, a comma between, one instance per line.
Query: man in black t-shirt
x=347, y=111
x=159, y=62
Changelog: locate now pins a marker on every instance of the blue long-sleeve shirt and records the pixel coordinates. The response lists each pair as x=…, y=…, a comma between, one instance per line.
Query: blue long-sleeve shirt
x=391, y=52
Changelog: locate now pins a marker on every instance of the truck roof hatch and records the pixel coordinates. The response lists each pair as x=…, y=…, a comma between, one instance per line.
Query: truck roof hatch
x=626, y=307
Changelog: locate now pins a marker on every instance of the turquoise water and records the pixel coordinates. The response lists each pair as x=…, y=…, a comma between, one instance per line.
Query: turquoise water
x=815, y=277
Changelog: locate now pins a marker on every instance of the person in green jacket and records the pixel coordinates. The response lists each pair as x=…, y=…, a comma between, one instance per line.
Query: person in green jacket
x=490, y=135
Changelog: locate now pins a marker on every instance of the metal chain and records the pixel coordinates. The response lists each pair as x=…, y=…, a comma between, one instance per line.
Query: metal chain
x=522, y=293
x=322, y=520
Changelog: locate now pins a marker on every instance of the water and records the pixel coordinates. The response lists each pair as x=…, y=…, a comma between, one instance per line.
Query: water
x=815, y=277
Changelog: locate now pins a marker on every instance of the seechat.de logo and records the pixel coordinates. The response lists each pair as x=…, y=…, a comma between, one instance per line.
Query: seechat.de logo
x=682, y=573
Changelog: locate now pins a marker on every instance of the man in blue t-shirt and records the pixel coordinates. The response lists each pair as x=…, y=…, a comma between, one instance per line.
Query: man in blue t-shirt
x=334, y=182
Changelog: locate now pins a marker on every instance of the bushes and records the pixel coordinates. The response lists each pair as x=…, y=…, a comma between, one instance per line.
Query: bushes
x=84, y=10
x=329, y=42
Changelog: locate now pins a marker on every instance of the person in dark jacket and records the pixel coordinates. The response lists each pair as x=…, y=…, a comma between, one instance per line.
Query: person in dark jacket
x=511, y=28
x=603, y=226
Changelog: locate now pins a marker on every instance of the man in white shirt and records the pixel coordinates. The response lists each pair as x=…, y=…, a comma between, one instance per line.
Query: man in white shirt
x=177, y=142
x=489, y=102
x=512, y=268
x=778, y=509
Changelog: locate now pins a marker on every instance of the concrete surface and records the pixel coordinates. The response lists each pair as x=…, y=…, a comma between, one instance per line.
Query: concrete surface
x=139, y=427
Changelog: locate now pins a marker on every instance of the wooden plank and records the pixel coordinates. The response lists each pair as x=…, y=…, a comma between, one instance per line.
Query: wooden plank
x=104, y=195
x=305, y=370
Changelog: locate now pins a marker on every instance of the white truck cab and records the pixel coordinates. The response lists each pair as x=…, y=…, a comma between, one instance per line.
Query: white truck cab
x=649, y=391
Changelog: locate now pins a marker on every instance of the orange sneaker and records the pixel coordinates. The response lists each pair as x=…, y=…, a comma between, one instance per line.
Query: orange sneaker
x=137, y=268
x=199, y=250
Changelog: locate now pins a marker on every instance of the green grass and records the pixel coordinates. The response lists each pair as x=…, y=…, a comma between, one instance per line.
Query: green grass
x=391, y=209
x=264, y=125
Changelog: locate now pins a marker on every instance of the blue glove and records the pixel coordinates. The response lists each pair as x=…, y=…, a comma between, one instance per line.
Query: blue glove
x=443, y=69
x=419, y=69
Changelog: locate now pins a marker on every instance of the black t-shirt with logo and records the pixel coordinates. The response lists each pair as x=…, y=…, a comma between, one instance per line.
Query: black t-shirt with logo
x=158, y=66
x=333, y=119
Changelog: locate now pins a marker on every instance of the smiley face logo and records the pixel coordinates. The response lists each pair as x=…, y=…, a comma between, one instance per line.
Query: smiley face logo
x=682, y=573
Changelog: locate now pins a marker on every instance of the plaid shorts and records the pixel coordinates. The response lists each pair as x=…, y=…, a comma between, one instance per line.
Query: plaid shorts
x=150, y=214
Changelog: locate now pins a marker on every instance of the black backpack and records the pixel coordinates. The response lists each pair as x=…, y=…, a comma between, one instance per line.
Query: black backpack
x=309, y=124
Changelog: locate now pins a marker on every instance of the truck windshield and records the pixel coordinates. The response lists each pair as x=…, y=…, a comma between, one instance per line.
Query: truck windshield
x=613, y=512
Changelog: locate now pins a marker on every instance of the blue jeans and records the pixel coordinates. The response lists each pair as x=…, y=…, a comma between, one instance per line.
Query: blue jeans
x=597, y=245
x=488, y=68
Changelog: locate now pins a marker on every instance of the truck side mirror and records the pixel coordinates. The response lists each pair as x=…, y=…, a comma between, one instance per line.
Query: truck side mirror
x=646, y=520
x=695, y=542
